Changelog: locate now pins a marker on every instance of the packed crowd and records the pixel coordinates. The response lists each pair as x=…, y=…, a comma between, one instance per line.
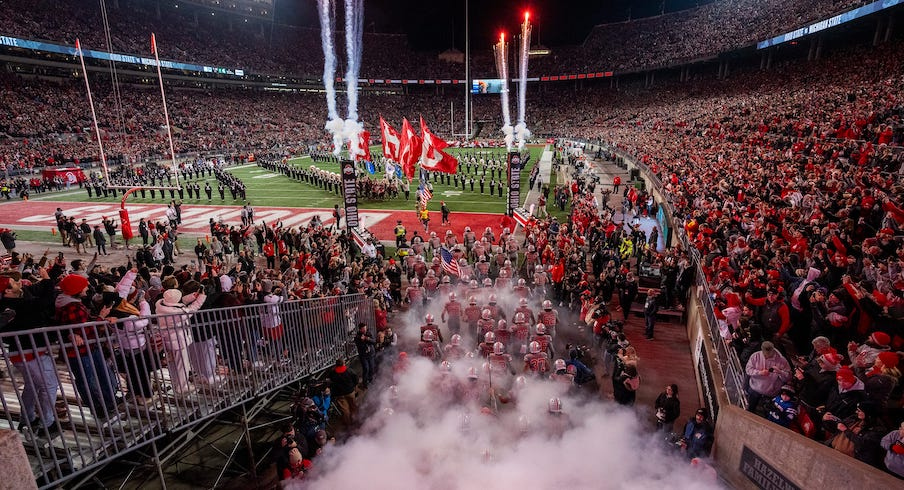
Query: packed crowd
x=790, y=194
x=655, y=41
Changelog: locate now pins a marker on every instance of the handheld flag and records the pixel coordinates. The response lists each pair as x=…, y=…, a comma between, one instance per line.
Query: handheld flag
x=449, y=265
x=391, y=141
x=360, y=147
x=410, y=150
x=433, y=158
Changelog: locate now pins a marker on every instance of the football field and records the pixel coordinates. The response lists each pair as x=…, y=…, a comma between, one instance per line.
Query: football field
x=276, y=197
x=266, y=188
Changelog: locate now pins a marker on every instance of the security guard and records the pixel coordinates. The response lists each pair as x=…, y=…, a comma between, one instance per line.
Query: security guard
x=399, y=233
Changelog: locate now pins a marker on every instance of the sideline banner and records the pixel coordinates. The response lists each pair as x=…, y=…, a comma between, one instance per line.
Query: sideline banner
x=350, y=193
x=514, y=182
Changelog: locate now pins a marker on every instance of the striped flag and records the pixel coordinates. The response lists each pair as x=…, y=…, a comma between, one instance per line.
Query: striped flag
x=424, y=195
x=449, y=265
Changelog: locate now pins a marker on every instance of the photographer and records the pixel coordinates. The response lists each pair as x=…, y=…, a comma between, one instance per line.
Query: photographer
x=668, y=408
x=768, y=372
x=8, y=239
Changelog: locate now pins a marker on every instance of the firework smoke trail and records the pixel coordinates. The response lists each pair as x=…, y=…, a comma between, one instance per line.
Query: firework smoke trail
x=501, y=51
x=521, y=130
x=354, y=29
x=327, y=25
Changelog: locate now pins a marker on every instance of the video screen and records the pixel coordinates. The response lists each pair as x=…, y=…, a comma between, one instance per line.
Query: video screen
x=487, y=86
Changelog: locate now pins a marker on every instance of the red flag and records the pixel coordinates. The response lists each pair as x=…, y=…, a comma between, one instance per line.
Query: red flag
x=153, y=44
x=433, y=158
x=410, y=150
x=391, y=140
x=363, y=146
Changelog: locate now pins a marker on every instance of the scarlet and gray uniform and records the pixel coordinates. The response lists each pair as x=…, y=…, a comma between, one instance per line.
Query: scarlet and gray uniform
x=549, y=318
x=483, y=269
x=472, y=316
x=503, y=335
x=563, y=377
x=541, y=279
x=485, y=348
x=415, y=295
x=465, y=270
x=511, y=247
x=503, y=283
x=428, y=350
x=434, y=243
x=484, y=326
x=520, y=333
x=444, y=289
x=501, y=363
x=495, y=312
x=536, y=363
x=521, y=292
x=434, y=328
x=420, y=270
x=452, y=316
x=469, y=238
x=410, y=261
x=545, y=342
x=528, y=314
x=478, y=250
x=453, y=352
x=430, y=285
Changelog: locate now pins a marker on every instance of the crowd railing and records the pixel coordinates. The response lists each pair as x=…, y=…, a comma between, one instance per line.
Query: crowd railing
x=113, y=387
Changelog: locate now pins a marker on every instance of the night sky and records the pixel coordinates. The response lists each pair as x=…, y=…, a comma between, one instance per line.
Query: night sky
x=439, y=24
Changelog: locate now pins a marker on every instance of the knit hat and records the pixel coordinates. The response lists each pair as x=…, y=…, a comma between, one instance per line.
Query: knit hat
x=889, y=359
x=172, y=297
x=73, y=284
x=879, y=338
x=226, y=283
x=788, y=389
x=4, y=283
x=832, y=359
x=845, y=374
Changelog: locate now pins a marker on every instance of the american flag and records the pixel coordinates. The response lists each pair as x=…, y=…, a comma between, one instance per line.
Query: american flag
x=425, y=195
x=450, y=266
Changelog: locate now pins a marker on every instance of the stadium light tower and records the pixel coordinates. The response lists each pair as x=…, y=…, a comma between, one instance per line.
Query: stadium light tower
x=467, y=73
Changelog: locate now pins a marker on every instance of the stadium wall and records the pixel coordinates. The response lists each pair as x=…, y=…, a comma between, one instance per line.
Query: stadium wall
x=751, y=452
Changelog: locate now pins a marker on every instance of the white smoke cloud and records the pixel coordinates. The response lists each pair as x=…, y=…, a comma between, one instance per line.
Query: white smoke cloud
x=501, y=52
x=354, y=30
x=425, y=441
x=421, y=434
x=508, y=136
x=336, y=127
x=350, y=130
x=522, y=133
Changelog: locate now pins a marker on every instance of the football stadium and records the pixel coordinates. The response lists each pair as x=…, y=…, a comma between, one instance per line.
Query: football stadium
x=329, y=244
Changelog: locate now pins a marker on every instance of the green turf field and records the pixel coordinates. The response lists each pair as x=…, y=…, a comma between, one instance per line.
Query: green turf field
x=265, y=188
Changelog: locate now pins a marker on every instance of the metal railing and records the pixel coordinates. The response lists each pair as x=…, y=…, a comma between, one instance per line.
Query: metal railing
x=111, y=388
